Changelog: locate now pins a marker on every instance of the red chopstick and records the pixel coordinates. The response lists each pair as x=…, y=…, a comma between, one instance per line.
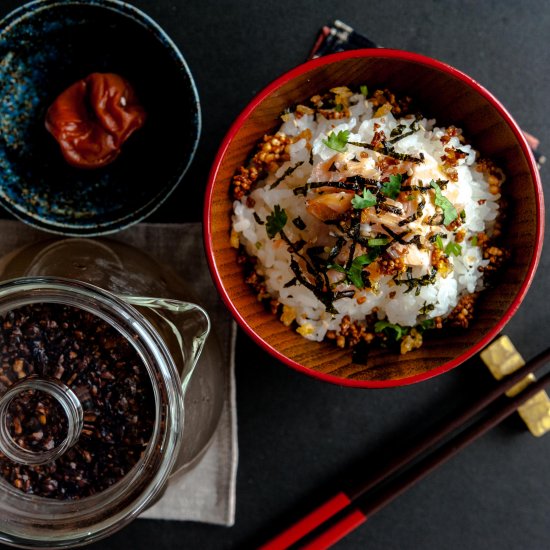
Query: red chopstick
x=358, y=508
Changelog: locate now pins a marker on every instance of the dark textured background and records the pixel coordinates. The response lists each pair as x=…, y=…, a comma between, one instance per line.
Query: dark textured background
x=297, y=435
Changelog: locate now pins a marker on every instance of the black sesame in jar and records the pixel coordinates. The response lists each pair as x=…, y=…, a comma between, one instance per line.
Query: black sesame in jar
x=78, y=350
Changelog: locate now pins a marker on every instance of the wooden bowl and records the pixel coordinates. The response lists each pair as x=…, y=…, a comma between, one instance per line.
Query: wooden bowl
x=441, y=92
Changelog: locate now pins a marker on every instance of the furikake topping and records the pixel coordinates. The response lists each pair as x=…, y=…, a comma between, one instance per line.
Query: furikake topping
x=385, y=222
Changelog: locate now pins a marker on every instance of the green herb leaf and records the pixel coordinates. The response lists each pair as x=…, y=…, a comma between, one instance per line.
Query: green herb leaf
x=439, y=243
x=410, y=197
x=338, y=107
x=364, y=90
x=453, y=248
x=427, y=324
x=353, y=274
x=474, y=240
x=337, y=267
x=392, y=188
x=398, y=330
x=449, y=211
x=258, y=245
x=275, y=221
x=378, y=242
x=338, y=141
x=354, y=277
x=359, y=202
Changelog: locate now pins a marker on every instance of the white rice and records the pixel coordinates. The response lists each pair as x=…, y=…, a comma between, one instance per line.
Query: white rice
x=392, y=301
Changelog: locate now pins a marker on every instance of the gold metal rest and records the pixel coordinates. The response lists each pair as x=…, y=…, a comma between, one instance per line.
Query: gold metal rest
x=502, y=358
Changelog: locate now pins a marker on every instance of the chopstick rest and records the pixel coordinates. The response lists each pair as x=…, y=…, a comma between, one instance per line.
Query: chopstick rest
x=502, y=359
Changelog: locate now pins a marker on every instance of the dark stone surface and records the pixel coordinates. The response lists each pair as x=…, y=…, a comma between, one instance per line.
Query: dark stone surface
x=297, y=435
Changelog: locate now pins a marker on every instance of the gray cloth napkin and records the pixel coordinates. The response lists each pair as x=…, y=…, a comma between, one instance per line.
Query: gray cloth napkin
x=207, y=492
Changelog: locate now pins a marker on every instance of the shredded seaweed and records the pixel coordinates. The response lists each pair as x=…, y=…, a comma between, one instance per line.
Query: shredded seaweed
x=417, y=240
x=426, y=308
x=286, y=173
x=354, y=183
x=390, y=208
x=336, y=249
x=259, y=220
x=416, y=215
x=326, y=297
x=416, y=284
x=298, y=245
x=299, y=223
x=399, y=237
x=403, y=131
x=413, y=187
x=387, y=150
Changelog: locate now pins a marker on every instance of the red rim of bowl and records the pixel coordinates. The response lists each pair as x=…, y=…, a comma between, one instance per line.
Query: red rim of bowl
x=390, y=54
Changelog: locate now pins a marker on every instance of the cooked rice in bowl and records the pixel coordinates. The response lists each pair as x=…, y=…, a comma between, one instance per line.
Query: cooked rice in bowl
x=361, y=223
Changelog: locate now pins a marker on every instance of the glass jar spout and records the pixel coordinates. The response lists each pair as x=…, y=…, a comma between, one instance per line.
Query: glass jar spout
x=183, y=324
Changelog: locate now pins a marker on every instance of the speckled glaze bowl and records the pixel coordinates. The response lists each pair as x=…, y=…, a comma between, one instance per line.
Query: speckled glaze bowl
x=47, y=45
x=441, y=92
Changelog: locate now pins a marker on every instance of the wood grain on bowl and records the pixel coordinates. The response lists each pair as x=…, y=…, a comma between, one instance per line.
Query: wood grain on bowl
x=439, y=92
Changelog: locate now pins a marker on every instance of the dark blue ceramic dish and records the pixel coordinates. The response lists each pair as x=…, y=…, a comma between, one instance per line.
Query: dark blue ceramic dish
x=47, y=45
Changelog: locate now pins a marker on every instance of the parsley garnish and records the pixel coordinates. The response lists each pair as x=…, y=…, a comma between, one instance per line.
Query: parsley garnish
x=338, y=141
x=439, y=242
x=354, y=273
x=364, y=90
x=275, y=221
x=474, y=240
x=398, y=330
x=392, y=188
x=427, y=324
x=453, y=248
x=449, y=211
x=338, y=107
x=359, y=202
x=378, y=242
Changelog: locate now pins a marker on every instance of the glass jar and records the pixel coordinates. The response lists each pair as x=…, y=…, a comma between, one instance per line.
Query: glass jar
x=140, y=301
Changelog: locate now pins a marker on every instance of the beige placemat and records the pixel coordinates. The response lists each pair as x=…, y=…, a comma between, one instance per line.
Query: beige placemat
x=207, y=492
